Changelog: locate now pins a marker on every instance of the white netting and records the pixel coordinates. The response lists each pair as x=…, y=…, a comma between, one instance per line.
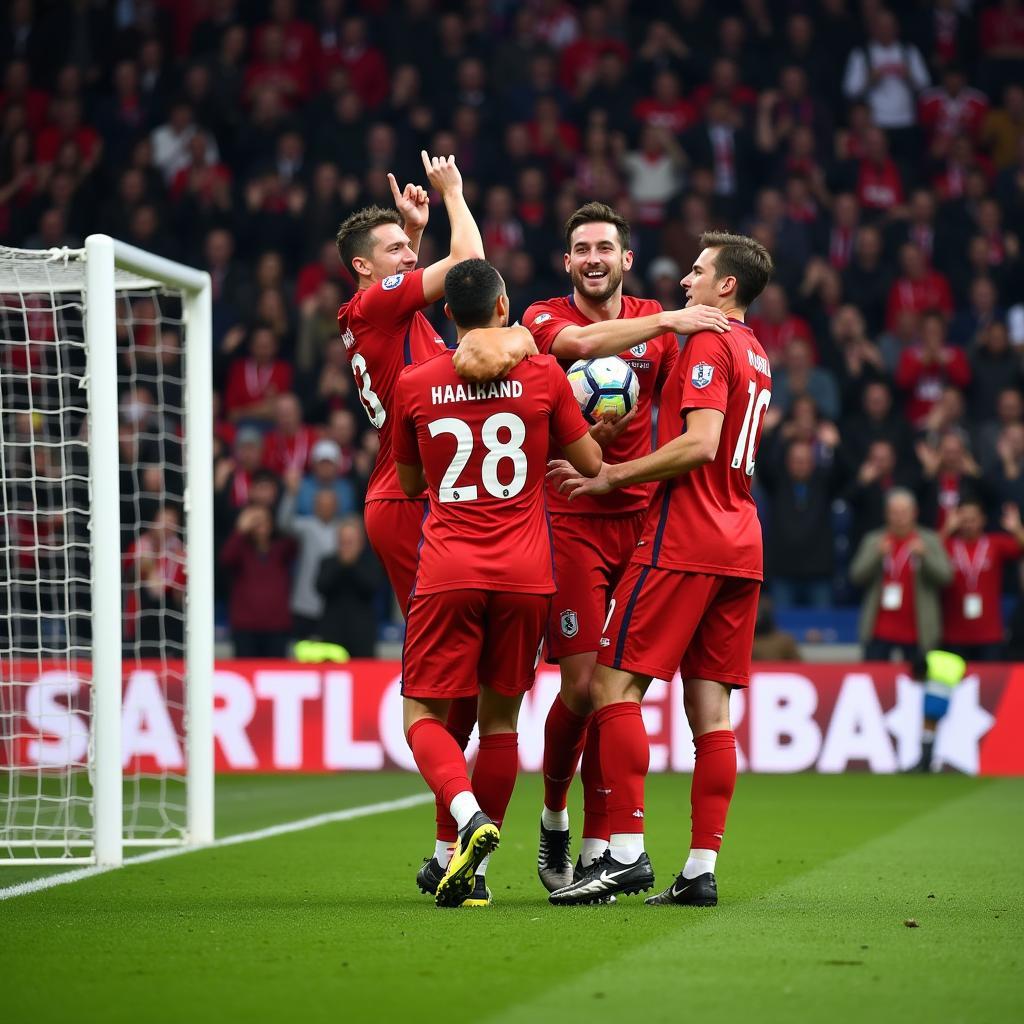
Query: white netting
x=45, y=563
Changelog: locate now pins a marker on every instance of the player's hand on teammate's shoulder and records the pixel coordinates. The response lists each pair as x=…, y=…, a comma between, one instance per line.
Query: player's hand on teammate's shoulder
x=571, y=483
x=442, y=173
x=412, y=203
x=697, y=318
x=607, y=431
x=487, y=353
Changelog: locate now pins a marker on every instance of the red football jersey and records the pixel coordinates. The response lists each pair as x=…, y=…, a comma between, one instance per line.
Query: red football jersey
x=705, y=520
x=384, y=331
x=972, y=603
x=652, y=361
x=484, y=450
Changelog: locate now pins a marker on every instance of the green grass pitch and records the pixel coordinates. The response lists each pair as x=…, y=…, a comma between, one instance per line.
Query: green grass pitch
x=817, y=878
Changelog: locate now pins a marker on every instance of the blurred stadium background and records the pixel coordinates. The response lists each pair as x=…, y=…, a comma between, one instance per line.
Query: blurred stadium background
x=878, y=151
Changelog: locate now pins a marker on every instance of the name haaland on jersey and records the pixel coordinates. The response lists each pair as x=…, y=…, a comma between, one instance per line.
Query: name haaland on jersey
x=476, y=392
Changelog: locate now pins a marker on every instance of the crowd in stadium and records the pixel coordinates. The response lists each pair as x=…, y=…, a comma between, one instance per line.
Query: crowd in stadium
x=877, y=152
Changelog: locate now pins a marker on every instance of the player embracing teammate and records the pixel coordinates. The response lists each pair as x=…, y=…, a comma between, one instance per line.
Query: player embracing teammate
x=594, y=538
x=479, y=605
x=384, y=331
x=688, y=600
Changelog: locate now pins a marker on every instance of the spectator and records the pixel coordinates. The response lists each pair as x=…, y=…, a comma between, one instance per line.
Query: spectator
x=866, y=279
x=888, y=74
x=994, y=368
x=1006, y=409
x=856, y=361
x=259, y=561
x=348, y=580
x=770, y=642
x=952, y=109
x=316, y=536
x=972, y=616
x=918, y=289
x=902, y=569
x=290, y=444
x=325, y=474
x=797, y=375
x=951, y=476
x=154, y=604
x=255, y=382
x=1003, y=128
x=775, y=326
x=800, y=548
x=876, y=420
x=982, y=310
x=1009, y=477
x=924, y=370
x=879, y=473
x=879, y=183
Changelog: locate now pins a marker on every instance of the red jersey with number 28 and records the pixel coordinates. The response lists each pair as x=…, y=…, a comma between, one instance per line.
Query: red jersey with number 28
x=484, y=451
x=705, y=521
x=384, y=331
x=652, y=362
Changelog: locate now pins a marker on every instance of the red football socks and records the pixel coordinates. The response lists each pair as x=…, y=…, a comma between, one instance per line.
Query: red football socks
x=625, y=758
x=461, y=719
x=441, y=763
x=494, y=775
x=595, y=794
x=565, y=733
x=714, y=779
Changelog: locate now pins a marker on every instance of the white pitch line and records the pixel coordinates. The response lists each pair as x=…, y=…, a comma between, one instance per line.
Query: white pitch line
x=300, y=825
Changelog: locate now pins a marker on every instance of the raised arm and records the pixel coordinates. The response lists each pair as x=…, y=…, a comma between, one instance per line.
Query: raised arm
x=466, y=242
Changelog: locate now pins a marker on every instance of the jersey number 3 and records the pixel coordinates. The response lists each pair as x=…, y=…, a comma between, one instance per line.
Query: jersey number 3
x=497, y=452
x=371, y=403
x=757, y=406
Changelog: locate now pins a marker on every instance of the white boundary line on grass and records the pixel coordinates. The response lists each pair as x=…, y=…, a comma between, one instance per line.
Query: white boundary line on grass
x=299, y=825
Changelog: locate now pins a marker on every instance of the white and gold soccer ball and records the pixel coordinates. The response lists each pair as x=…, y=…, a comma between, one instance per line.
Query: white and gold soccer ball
x=604, y=388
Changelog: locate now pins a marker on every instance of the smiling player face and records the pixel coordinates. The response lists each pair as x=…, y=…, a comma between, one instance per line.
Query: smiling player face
x=391, y=253
x=596, y=261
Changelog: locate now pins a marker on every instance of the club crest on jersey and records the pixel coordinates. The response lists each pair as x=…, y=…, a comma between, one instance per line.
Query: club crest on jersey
x=639, y=350
x=392, y=282
x=701, y=374
x=569, y=623
x=542, y=318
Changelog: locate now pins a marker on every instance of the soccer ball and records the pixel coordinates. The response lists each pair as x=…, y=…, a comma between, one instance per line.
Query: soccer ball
x=604, y=387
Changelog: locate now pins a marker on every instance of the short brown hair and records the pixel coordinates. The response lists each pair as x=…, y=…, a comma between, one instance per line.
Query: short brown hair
x=741, y=257
x=353, y=238
x=597, y=213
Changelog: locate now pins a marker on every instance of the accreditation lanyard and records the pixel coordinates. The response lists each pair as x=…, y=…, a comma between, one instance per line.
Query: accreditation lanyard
x=971, y=569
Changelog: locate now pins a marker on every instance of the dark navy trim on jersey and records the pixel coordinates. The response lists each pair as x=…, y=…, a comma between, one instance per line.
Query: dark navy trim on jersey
x=740, y=323
x=659, y=533
x=620, y=641
x=407, y=345
x=419, y=550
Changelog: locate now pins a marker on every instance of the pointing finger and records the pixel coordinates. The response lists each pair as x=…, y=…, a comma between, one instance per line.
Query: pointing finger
x=394, y=187
x=426, y=160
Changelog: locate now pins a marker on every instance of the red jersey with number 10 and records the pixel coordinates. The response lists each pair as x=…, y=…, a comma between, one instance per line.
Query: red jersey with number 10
x=484, y=451
x=706, y=521
x=652, y=362
x=384, y=331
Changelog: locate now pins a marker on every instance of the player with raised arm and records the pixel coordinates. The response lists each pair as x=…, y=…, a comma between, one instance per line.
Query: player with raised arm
x=384, y=330
x=478, y=609
x=688, y=600
x=594, y=539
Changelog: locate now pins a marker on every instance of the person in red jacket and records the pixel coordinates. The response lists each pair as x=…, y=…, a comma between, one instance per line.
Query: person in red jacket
x=925, y=370
x=972, y=619
x=919, y=288
x=260, y=562
x=255, y=381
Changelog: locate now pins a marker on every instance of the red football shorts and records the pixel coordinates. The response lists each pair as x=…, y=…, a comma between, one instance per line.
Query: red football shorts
x=459, y=640
x=591, y=554
x=394, y=528
x=663, y=620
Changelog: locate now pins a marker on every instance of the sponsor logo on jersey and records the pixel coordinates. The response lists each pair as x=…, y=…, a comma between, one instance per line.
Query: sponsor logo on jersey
x=701, y=374
x=392, y=282
x=569, y=622
x=605, y=642
x=439, y=341
x=349, y=338
x=639, y=350
x=542, y=318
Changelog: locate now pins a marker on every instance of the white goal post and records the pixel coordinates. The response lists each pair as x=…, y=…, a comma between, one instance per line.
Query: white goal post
x=104, y=351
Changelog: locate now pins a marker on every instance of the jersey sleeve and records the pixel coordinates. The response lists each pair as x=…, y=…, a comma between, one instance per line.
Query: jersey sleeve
x=545, y=324
x=705, y=369
x=1008, y=546
x=567, y=422
x=388, y=304
x=404, y=443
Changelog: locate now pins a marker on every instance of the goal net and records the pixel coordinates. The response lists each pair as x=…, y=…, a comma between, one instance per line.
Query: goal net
x=105, y=610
